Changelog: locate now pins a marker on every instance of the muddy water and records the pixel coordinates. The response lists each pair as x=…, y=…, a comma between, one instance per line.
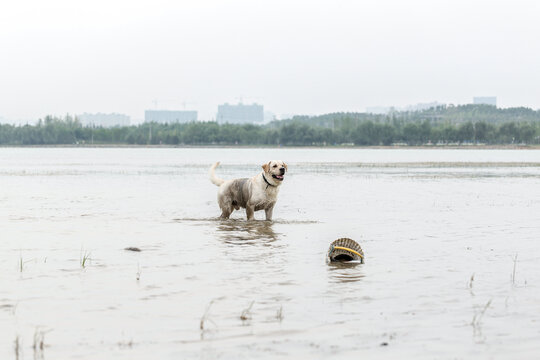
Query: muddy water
x=441, y=230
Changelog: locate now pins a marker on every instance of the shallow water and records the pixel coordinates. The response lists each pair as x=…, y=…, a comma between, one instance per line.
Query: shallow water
x=441, y=230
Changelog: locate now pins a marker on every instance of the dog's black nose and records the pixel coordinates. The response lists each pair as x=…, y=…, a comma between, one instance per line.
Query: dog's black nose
x=282, y=171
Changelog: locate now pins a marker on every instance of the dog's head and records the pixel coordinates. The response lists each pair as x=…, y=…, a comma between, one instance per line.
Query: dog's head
x=275, y=170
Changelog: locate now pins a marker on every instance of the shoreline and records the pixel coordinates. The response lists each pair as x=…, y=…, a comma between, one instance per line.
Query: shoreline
x=378, y=147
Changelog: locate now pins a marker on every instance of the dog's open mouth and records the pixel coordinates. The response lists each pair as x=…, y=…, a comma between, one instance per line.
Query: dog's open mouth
x=278, y=177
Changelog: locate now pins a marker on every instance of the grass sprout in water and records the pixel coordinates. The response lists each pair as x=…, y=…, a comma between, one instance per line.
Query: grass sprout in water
x=471, y=282
x=18, y=348
x=246, y=313
x=279, y=314
x=514, y=271
x=206, y=318
x=476, y=322
x=21, y=263
x=39, y=343
x=85, y=259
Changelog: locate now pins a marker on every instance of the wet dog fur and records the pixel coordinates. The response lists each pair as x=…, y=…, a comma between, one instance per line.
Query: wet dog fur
x=256, y=193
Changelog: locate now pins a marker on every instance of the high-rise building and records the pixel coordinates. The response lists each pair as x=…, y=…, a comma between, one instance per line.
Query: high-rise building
x=170, y=116
x=104, y=120
x=240, y=114
x=485, y=100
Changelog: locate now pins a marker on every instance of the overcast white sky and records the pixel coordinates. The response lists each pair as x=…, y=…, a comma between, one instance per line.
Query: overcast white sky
x=293, y=56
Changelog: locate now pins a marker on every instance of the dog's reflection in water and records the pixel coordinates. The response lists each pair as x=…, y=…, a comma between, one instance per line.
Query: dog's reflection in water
x=240, y=232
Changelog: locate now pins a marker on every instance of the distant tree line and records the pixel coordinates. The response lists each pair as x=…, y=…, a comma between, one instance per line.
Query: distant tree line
x=436, y=115
x=331, y=129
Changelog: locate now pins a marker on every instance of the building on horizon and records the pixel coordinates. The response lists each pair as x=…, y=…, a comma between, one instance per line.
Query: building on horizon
x=104, y=120
x=240, y=114
x=170, y=116
x=383, y=110
x=485, y=100
x=424, y=106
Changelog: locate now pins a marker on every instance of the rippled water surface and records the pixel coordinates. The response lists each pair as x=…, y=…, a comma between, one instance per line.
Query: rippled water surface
x=451, y=239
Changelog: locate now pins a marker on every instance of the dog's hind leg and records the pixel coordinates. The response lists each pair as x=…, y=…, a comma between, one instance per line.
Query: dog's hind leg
x=225, y=204
x=226, y=210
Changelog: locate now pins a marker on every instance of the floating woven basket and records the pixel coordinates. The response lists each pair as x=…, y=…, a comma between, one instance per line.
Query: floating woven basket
x=345, y=250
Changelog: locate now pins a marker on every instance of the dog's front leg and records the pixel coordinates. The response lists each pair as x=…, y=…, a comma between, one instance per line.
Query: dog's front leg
x=250, y=212
x=269, y=212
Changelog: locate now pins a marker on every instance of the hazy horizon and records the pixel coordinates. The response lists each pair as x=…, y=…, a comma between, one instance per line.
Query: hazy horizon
x=306, y=57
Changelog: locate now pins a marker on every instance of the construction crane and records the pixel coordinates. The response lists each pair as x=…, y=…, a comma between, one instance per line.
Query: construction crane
x=241, y=98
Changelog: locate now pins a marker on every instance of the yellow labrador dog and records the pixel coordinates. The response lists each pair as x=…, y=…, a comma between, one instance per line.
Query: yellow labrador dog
x=254, y=194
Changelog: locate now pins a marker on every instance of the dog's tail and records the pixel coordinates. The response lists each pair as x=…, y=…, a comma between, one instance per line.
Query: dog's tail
x=213, y=178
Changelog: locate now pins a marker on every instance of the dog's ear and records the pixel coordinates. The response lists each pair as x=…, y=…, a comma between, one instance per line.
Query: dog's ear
x=266, y=167
x=285, y=166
